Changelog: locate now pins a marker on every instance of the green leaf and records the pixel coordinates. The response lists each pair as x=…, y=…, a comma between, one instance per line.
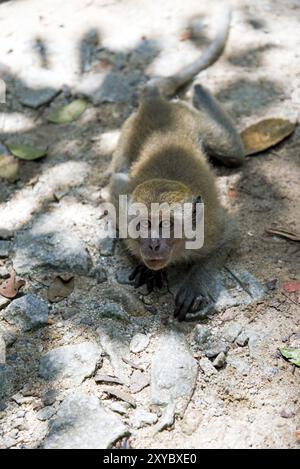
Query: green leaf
x=26, y=152
x=68, y=113
x=292, y=354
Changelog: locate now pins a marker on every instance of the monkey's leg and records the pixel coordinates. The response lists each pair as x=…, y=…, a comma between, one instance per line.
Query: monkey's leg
x=141, y=275
x=220, y=138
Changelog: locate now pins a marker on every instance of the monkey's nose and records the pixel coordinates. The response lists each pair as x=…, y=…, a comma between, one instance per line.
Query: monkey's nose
x=154, y=245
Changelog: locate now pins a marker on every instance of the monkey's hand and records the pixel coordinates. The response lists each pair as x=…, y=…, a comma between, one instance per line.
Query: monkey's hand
x=189, y=299
x=141, y=275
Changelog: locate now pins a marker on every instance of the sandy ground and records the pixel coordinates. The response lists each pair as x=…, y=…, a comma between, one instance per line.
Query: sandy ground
x=47, y=44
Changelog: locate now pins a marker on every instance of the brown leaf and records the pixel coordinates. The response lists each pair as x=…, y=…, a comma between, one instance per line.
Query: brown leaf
x=60, y=288
x=292, y=286
x=10, y=287
x=122, y=395
x=292, y=235
x=265, y=134
x=107, y=379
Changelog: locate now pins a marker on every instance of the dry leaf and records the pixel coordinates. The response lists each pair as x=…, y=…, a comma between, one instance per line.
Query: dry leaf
x=26, y=152
x=10, y=287
x=265, y=134
x=292, y=286
x=60, y=288
x=122, y=395
x=292, y=235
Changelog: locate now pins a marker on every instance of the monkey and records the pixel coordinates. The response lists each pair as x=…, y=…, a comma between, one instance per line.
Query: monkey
x=162, y=157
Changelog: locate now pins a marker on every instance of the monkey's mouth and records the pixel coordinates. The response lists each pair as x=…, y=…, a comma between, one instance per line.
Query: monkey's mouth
x=156, y=264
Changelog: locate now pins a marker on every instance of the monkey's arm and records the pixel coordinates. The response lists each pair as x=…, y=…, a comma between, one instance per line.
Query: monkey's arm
x=220, y=138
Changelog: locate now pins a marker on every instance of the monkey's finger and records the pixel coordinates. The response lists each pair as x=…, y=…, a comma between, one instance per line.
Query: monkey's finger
x=197, y=303
x=138, y=281
x=134, y=273
x=185, y=309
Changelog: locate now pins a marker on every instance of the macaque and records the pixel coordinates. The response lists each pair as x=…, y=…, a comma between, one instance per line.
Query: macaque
x=161, y=158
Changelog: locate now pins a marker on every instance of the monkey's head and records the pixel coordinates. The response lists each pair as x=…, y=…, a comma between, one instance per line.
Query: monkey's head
x=156, y=241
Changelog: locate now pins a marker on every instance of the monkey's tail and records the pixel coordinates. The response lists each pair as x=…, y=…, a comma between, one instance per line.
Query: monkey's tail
x=167, y=86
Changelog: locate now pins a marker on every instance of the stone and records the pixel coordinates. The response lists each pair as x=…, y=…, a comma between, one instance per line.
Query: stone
x=213, y=349
x=174, y=370
x=46, y=413
x=9, y=168
x=121, y=408
x=107, y=246
x=82, y=422
x=231, y=332
x=117, y=87
x=59, y=251
x=116, y=347
x=138, y=343
x=4, y=249
x=2, y=350
x=3, y=149
x=114, y=310
x=99, y=272
x=287, y=414
x=243, y=339
x=241, y=366
x=220, y=360
x=138, y=381
x=123, y=276
x=202, y=334
x=6, y=234
x=8, y=336
x=34, y=98
x=71, y=363
x=6, y=380
x=28, y=312
x=4, y=272
x=141, y=418
x=207, y=367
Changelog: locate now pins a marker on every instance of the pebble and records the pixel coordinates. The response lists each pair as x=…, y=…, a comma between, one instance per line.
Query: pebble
x=34, y=98
x=207, y=367
x=3, y=302
x=121, y=408
x=6, y=234
x=2, y=350
x=139, y=342
x=71, y=363
x=202, y=334
x=82, y=422
x=46, y=413
x=28, y=312
x=243, y=339
x=138, y=381
x=231, y=332
x=141, y=418
x=215, y=348
x=220, y=360
x=287, y=414
x=4, y=249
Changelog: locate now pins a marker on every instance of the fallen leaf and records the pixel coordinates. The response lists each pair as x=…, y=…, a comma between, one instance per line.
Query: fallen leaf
x=292, y=286
x=265, y=134
x=107, y=379
x=68, y=113
x=292, y=354
x=60, y=288
x=10, y=287
x=122, y=395
x=9, y=168
x=292, y=235
x=26, y=152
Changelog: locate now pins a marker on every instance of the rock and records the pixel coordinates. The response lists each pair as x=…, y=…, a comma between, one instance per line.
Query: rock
x=46, y=413
x=116, y=347
x=191, y=421
x=141, y=418
x=3, y=150
x=28, y=312
x=138, y=343
x=3, y=302
x=121, y=408
x=287, y=414
x=49, y=397
x=2, y=350
x=242, y=366
x=207, y=367
x=71, y=363
x=174, y=371
x=213, y=349
x=123, y=276
x=60, y=251
x=4, y=272
x=231, y=332
x=202, y=334
x=4, y=249
x=35, y=98
x=69, y=313
x=220, y=360
x=6, y=380
x=138, y=381
x=82, y=422
x=120, y=295
x=167, y=418
x=8, y=336
x=114, y=310
x=242, y=339
x=99, y=272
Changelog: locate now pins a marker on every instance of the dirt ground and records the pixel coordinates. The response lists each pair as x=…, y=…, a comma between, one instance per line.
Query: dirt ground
x=80, y=48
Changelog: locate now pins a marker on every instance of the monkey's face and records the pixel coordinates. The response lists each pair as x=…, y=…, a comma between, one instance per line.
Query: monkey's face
x=155, y=249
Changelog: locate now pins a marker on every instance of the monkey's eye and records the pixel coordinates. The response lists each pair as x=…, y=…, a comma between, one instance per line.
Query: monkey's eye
x=166, y=224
